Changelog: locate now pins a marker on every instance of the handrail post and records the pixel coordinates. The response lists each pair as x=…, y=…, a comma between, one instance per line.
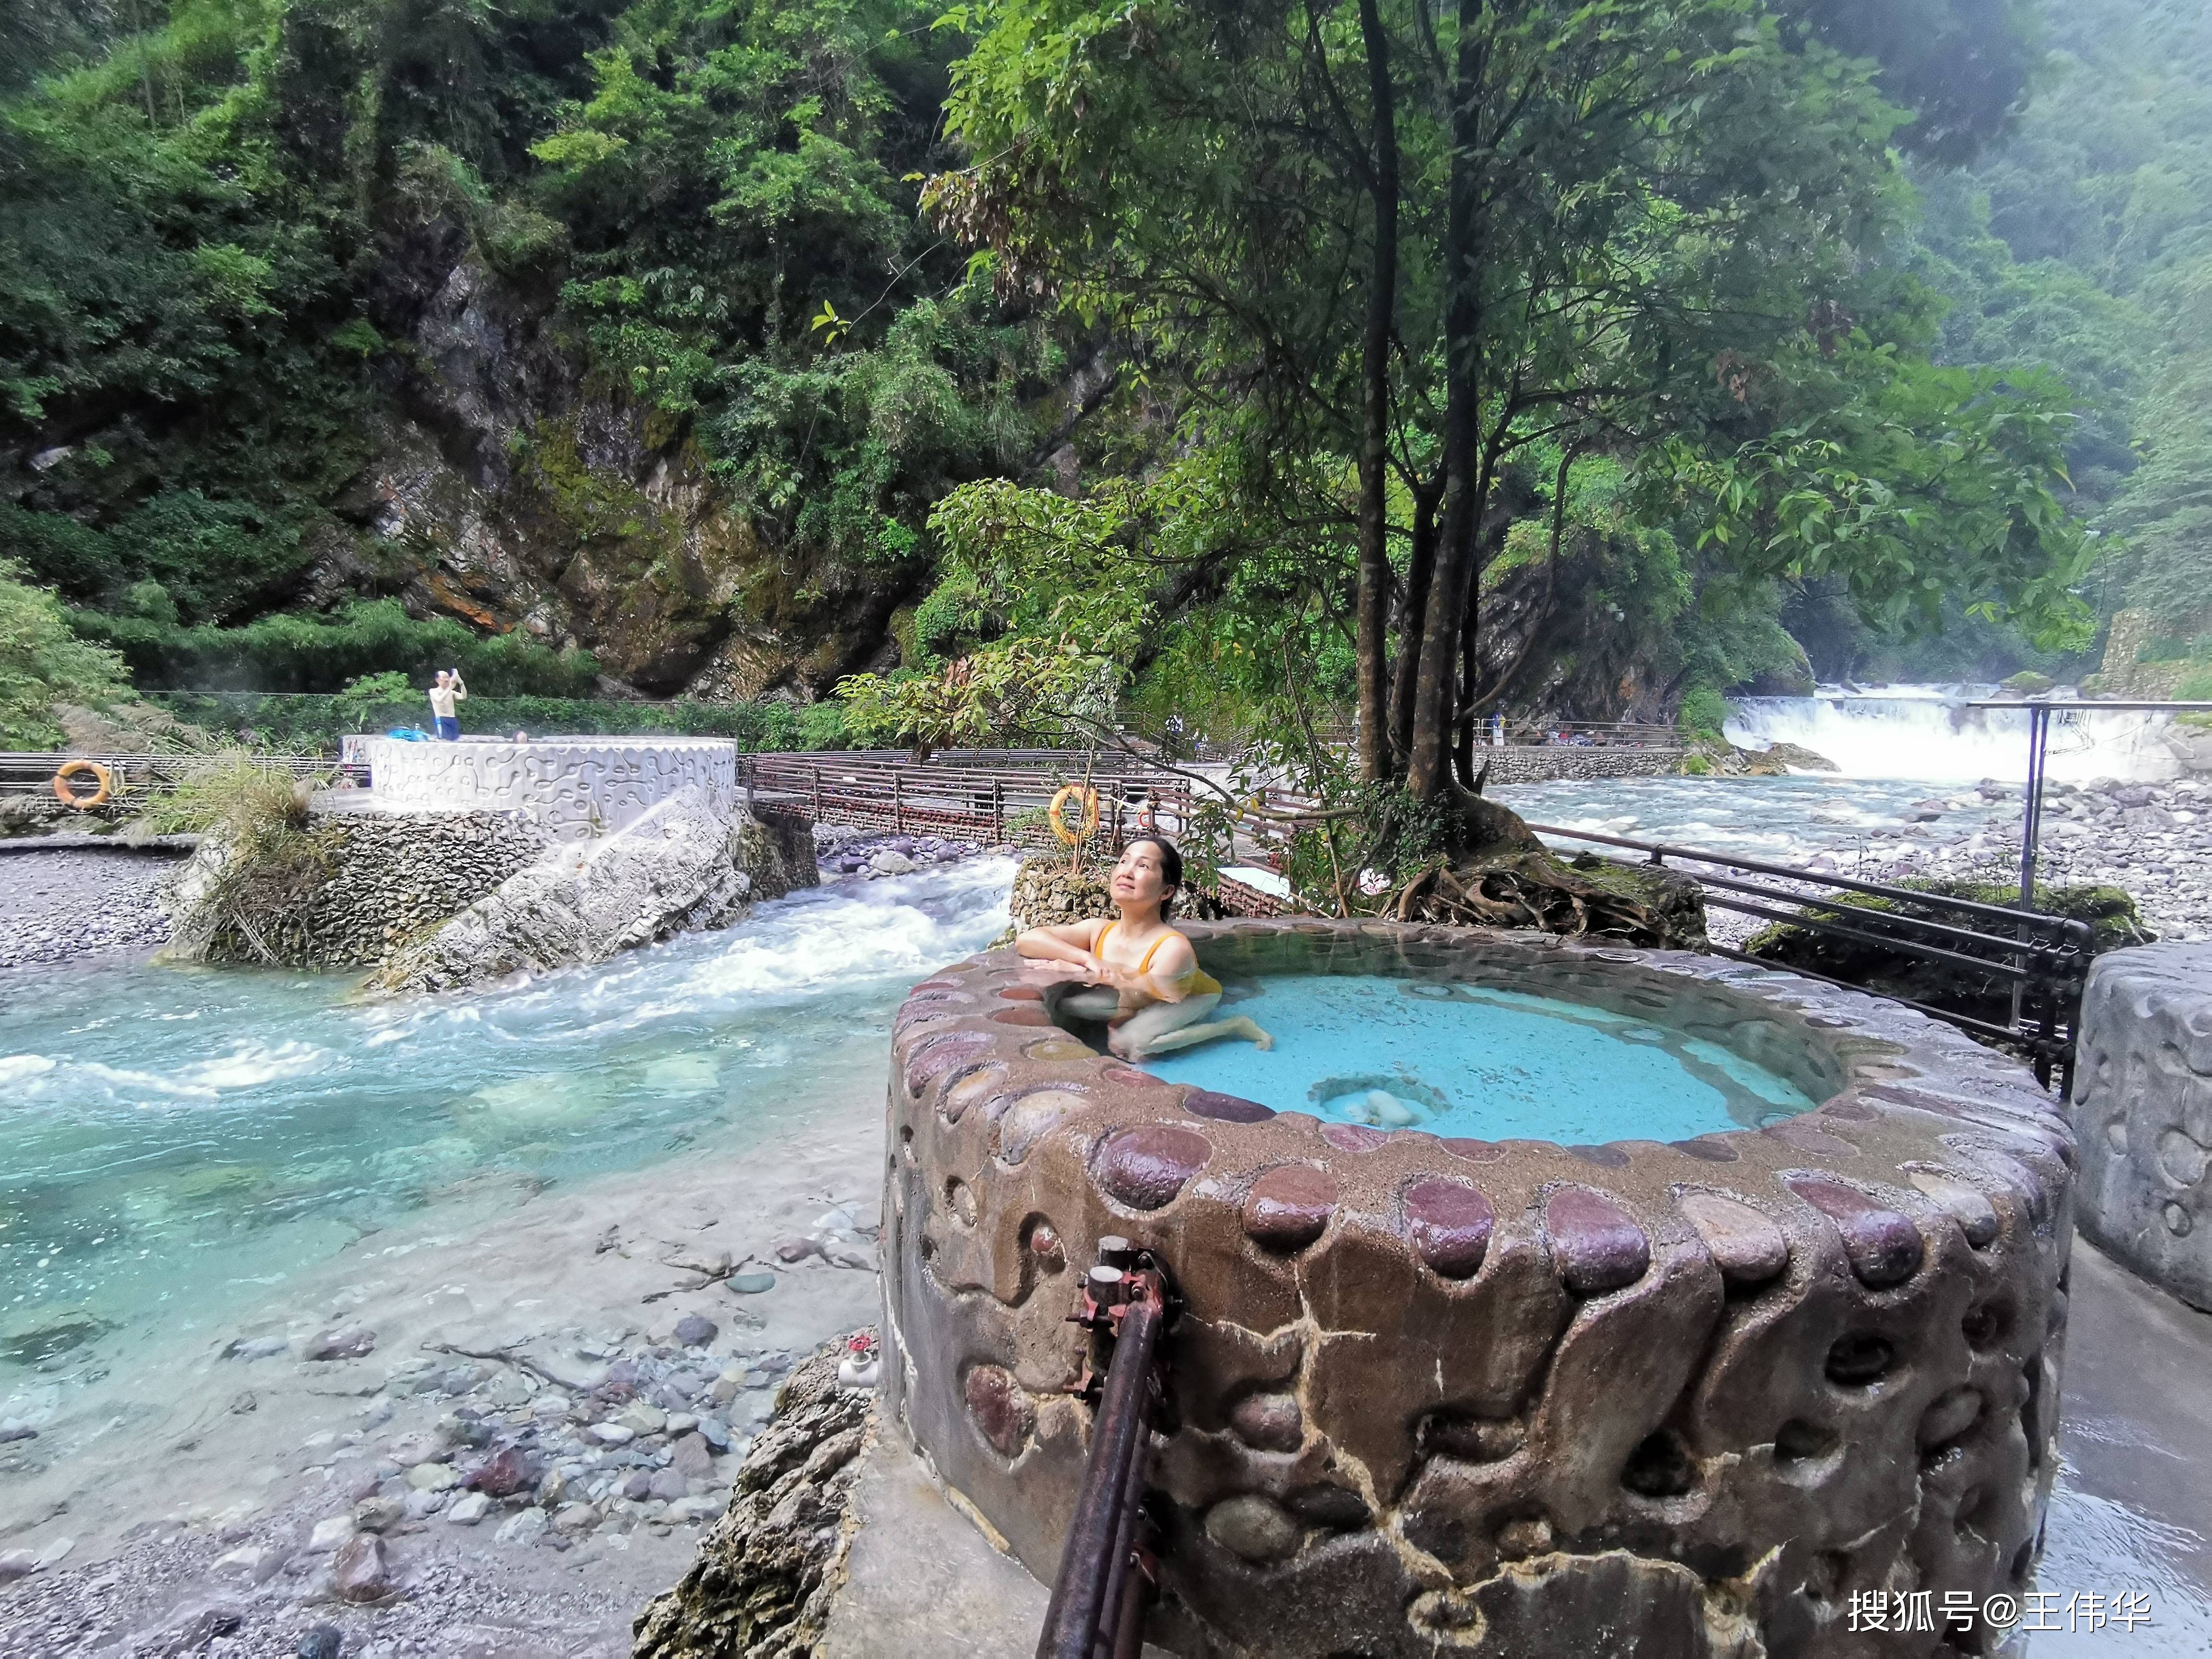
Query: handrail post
x=898, y=803
x=1099, y=1594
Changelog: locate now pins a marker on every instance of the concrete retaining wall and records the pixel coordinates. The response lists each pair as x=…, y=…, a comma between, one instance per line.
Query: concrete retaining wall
x=2142, y=1114
x=573, y=786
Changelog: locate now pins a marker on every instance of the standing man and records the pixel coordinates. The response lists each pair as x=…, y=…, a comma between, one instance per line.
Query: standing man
x=444, y=694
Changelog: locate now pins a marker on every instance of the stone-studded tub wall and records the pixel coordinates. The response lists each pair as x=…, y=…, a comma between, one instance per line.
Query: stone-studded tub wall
x=2143, y=1111
x=1510, y=1399
x=575, y=787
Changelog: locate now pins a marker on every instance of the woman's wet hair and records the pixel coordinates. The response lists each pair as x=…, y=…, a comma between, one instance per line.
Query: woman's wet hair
x=1171, y=869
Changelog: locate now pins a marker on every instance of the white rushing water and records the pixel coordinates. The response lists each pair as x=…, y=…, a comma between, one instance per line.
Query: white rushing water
x=1927, y=732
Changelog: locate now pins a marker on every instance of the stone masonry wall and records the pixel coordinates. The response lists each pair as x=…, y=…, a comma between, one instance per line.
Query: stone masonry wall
x=392, y=878
x=398, y=876
x=2142, y=1113
x=1533, y=763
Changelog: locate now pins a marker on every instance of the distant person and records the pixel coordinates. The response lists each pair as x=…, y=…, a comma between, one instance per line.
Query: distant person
x=444, y=694
x=1135, y=972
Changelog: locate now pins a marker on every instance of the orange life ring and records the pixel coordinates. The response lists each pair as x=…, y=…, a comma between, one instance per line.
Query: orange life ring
x=78, y=768
x=1089, y=797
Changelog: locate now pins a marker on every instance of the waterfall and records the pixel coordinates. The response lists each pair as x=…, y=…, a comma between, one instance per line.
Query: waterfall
x=1926, y=732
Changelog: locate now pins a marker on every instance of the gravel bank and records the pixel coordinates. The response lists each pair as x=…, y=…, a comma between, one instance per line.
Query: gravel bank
x=2153, y=840
x=61, y=906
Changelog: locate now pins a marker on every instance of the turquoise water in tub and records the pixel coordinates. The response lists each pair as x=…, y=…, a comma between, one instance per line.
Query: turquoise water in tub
x=1472, y=1060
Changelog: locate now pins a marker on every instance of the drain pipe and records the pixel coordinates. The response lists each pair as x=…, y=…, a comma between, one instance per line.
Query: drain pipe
x=1107, y=1565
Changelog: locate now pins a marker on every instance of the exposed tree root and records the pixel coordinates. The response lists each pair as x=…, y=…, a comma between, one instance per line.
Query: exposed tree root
x=1630, y=904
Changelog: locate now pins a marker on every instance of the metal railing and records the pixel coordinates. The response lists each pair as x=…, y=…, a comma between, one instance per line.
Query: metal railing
x=992, y=804
x=2044, y=959
x=1108, y=1566
x=31, y=772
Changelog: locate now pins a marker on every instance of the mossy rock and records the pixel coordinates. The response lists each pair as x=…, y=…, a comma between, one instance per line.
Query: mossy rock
x=2111, y=912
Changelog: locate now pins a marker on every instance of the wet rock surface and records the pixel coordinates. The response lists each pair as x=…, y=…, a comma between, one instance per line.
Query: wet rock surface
x=766, y=1577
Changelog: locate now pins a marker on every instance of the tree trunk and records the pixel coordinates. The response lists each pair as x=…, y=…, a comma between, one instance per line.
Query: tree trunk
x=1429, y=764
x=1375, y=750
x=1418, y=571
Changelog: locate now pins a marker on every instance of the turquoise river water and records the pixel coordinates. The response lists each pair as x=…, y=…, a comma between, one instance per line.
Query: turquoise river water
x=180, y=1141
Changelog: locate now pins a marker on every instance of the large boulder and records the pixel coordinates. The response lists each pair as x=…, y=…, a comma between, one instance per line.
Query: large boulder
x=682, y=867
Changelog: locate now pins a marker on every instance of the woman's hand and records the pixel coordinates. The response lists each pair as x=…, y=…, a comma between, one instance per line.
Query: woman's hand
x=1053, y=971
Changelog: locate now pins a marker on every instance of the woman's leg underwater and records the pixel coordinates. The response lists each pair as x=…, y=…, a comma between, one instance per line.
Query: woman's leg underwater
x=1068, y=1001
x=1160, y=1028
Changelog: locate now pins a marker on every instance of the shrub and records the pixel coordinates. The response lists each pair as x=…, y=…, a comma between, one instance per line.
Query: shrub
x=1703, y=712
x=291, y=651
x=42, y=663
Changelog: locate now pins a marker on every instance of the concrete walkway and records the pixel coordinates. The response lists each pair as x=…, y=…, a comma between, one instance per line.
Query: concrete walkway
x=2133, y=1508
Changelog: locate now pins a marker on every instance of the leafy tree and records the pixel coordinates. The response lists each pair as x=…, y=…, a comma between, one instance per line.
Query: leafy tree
x=1636, y=230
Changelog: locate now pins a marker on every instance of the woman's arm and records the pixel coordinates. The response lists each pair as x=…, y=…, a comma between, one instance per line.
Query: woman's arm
x=1172, y=962
x=1070, y=942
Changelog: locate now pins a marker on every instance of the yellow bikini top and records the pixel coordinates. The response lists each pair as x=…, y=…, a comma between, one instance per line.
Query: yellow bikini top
x=1196, y=982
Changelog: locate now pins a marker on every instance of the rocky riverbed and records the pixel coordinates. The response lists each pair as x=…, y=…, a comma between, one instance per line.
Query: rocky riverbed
x=2154, y=840
x=498, y=1444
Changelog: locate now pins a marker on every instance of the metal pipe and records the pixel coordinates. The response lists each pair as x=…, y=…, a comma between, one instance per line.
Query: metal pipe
x=1913, y=947
x=1870, y=917
x=1124, y=1587
x=1078, y=1591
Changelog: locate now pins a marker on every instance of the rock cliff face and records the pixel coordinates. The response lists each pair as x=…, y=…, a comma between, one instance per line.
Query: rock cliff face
x=518, y=497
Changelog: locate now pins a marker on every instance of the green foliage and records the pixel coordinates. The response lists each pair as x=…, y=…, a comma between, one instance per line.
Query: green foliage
x=296, y=723
x=2097, y=256
x=367, y=695
x=295, y=651
x=1703, y=712
x=1696, y=766
x=238, y=795
x=42, y=663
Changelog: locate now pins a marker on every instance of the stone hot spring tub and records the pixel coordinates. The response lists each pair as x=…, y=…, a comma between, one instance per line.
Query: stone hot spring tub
x=1513, y=1397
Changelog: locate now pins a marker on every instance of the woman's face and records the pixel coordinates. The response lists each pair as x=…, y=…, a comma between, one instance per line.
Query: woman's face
x=1138, y=878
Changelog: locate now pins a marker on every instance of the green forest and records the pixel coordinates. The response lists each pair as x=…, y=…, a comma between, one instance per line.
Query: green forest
x=1235, y=361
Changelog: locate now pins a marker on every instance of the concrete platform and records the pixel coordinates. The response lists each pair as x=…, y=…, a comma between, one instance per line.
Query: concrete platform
x=921, y=1581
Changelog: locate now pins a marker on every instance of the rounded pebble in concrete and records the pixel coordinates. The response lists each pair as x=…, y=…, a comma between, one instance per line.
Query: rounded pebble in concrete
x=1257, y=1528
x=1747, y=1247
x=1290, y=1205
x=1146, y=1168
x=1451, y=1226
x=1885, y=1248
